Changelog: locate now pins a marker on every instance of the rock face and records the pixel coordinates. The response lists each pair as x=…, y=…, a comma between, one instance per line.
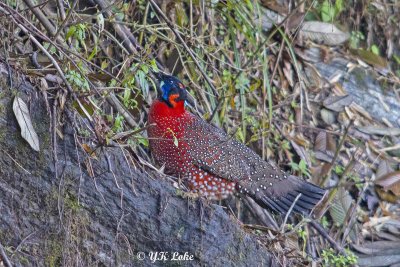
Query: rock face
x=364, y=88
x=81, y=211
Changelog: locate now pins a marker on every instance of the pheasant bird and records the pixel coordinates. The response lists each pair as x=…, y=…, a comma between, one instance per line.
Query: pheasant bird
x=212, y=163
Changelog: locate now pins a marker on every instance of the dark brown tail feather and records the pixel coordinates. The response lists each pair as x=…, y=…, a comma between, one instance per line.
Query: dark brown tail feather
x=311, y=195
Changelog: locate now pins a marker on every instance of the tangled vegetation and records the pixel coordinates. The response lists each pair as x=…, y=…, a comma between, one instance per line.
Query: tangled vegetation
x=250, y=69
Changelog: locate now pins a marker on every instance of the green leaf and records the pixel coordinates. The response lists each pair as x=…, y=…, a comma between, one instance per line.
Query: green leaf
x=144, y=85
x=145, y=69
x=118, y=121
x=397, y=58
x=294, y=166
x=94, y=52
x=303, y=166
x=375, y=49
x=126, y=97
x=142, y=140
x=327, y=11
x=338, y=6
x=239, y=135
x=70, y=32
x=153, y=65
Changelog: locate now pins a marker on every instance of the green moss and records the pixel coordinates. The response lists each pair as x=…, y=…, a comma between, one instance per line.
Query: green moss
x=54, y=257
x=60, y=248
x=24, y=261
x=72, y=203
x=3, y=134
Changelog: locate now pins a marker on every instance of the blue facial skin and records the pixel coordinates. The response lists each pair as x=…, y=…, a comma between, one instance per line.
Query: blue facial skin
x=167, y=84
x=165, y=88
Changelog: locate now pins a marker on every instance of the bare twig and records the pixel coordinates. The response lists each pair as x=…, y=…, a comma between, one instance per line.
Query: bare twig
x=42, y=18
x=351, y=214
x=289, y=211
x=18, y=164
x=130, y=132
x=128, y=40
x=55, y=64
x=65, y=20
x=325, y=235
x=60, y=6
x=34, y=61
x=262, y=214
x=346, y=131
x=4, y=257
x=115, y=103
x=8, y=64
x=188, y=50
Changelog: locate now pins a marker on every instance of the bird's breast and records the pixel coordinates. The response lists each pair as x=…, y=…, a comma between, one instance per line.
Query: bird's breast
x=168, y=143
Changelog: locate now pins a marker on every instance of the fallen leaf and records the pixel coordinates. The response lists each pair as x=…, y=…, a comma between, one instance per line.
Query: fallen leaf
x=337, y=103
x=323, y=33
x=388, y=186
x=379, y=130
x=384, y=168
x=328, y=116
x=370, y=58
x=325, y=142
x=24, y=120
x=340, y=206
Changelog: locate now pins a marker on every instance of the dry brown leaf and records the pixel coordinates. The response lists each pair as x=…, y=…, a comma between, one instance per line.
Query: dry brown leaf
x=89, y=150
x=337, y=103
x=313, y=54
x=288, y=71
x=359, y=109
x=390, y=182
x=378, y=130
x=324, y=142
x=25, y=123
x=323, y=33
x=340, y=206
x=294, y=21
x=312, y=77
x=301, y=152
x=383, y=169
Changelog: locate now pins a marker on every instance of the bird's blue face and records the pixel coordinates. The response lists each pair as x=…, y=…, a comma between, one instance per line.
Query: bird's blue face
x=172, y=90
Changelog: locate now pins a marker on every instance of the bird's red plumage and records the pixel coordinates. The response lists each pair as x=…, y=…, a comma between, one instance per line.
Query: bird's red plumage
x=169, y=137
x=215, y=164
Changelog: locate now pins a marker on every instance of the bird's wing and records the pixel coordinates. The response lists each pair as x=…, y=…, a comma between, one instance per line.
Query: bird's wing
x=215, y=152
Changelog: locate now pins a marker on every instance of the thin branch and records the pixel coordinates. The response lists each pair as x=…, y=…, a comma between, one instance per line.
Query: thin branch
x=263, y=215
x=71, y=10
x=55, y=64
x=188, y=50
x=346, y=131
x=325, y=235
x=128, y=40
x=4, y=257
x=290, y=211
x=41, y=17
x=115, y=103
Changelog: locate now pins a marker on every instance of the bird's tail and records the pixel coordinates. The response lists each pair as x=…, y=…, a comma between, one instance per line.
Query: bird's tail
x=281, y=196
